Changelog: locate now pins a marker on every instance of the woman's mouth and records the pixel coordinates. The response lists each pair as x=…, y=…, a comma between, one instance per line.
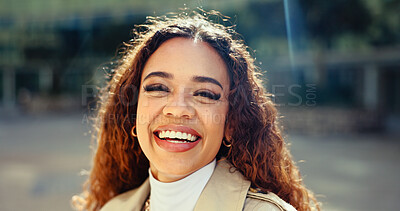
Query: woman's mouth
x=176, y=138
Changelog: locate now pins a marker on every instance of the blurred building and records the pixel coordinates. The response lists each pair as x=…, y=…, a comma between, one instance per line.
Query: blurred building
x=52, y=53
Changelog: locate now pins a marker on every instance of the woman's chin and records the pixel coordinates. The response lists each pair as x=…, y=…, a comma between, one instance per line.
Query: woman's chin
x=171, y=176
x=172, y=171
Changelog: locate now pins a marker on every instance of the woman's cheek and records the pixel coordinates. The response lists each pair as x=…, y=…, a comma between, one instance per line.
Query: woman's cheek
x=143, y=114
x=149, y=108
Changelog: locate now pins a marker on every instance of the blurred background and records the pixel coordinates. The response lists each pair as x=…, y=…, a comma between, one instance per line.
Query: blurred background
x=333, y=67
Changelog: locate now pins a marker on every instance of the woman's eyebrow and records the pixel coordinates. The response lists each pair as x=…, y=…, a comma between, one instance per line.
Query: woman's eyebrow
x=203, y=79
x=159, y=74
x=200, y=79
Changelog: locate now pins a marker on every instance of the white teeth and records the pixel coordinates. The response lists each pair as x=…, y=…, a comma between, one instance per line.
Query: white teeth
x=179, y=135
x=162, y=134
x=172, y=134
x=174, y=141
x=176, y=135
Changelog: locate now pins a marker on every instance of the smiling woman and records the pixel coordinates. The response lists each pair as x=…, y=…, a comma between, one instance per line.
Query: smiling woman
x=182, y=100
x=185, y=125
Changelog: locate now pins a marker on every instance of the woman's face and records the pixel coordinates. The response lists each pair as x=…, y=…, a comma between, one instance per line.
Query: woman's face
x=182, y=108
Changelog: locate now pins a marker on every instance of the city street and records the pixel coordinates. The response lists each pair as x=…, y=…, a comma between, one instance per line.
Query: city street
x=41, y=158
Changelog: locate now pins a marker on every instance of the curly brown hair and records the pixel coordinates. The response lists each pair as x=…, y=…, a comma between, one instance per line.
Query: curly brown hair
x=257, y=149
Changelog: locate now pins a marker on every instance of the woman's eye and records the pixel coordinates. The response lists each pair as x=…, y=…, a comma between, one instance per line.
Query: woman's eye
x=156, y=87
x=207, y=94
x=157, y=90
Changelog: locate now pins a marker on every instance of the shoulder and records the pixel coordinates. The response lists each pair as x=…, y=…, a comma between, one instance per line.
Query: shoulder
x=232, y=185
x=257, y=200
x=130, y=200
x=120, y=202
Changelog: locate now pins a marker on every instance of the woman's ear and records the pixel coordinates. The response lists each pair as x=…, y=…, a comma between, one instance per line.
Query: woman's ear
x=228, y=132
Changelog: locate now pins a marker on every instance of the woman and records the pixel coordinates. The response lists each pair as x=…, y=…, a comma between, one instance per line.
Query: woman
x=185, y=125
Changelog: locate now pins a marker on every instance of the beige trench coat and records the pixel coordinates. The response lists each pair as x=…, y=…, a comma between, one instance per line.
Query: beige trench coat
x=227, y=190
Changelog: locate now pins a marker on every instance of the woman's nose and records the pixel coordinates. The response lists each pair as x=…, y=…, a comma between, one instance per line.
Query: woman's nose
x=178, y=106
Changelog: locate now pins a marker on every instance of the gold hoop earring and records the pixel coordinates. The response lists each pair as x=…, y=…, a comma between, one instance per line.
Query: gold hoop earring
x=226, y=143
x=133, y=131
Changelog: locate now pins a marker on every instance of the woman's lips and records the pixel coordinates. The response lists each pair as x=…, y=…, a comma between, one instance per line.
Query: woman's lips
x=180, y=145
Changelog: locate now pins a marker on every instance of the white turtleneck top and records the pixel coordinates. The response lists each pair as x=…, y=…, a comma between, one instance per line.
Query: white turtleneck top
x=180, y=195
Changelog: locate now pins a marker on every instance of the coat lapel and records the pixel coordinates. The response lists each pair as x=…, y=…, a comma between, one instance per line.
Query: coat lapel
x=132, y=200
x=142, y=194
x=226, y=190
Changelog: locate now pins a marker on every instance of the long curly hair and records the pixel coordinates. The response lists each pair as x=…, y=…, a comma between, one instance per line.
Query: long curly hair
x=257, y=149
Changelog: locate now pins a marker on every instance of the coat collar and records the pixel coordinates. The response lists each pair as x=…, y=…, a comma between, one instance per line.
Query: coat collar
x=226, y=190
x=132, y=200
